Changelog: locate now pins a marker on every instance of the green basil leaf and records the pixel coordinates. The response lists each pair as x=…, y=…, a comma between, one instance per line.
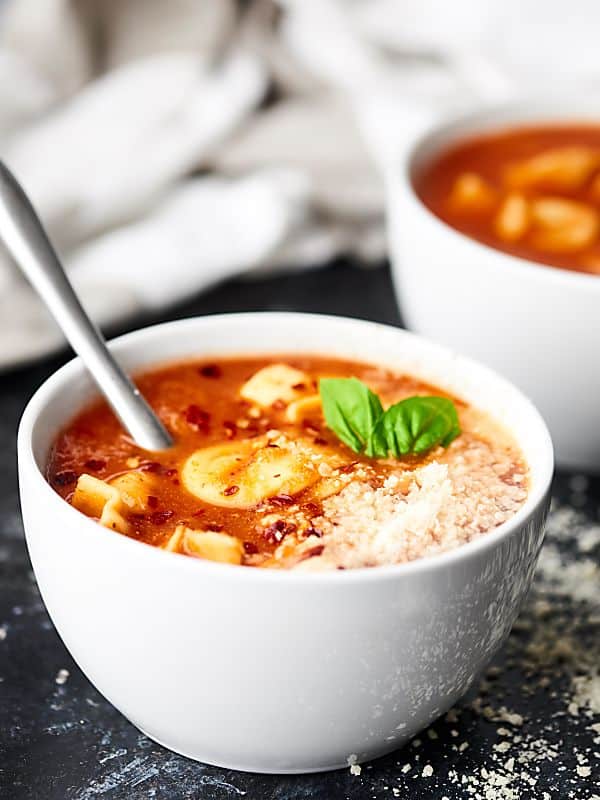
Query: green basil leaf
x=417, y=424
x=413, y=426
x=376, y=444
x=351, y=410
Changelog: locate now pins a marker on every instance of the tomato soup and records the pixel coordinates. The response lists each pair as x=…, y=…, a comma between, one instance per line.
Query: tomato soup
x=269, y=470
x=533, y=192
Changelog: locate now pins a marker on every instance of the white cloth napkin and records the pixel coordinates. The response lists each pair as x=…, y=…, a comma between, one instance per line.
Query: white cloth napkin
x=168, y=146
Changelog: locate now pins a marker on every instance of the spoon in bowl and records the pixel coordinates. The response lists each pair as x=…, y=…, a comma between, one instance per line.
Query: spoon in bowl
x=27, y=242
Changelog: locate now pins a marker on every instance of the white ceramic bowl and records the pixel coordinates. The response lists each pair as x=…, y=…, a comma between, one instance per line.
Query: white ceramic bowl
x=538, y=325
x=274, y=671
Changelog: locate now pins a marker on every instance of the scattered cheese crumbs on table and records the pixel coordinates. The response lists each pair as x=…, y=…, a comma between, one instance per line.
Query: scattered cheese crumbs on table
x=61, y=676
x=355, y=768
x=427, y=771
x=555, y=646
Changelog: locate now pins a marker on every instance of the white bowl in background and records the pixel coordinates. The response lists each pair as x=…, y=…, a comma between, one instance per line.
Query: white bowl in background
x=536, y=324
x=265, y=670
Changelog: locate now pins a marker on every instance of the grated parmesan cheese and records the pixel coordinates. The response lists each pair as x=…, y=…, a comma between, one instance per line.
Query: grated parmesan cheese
x=415, y=513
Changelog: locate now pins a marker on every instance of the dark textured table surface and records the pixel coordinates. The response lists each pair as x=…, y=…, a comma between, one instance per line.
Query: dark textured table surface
x=530, y=729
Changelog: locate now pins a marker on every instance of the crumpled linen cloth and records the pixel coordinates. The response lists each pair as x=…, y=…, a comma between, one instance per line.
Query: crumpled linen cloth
x=170, y=145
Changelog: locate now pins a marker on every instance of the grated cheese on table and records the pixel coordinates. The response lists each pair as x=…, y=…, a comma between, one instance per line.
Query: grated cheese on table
x=554, y=653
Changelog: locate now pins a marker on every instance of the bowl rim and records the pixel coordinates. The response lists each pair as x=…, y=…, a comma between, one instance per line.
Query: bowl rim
x=59, y=381
x=549, y=110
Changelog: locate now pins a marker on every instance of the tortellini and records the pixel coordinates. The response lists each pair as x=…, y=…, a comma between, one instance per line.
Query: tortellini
x=472, y=193
x=99, y=499
x=210, y=545
x=134, y=488
x=242, y=474
x=560, y=168
x=563, y=225
x=513, y=217
x=299, y=409
x=108, y=501
x=275, y=382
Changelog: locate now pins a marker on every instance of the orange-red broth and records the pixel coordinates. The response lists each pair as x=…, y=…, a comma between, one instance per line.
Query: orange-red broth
x=200, y=404
x=469, y=185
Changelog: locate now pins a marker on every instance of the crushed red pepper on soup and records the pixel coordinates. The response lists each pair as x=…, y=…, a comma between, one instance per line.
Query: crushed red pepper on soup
x=533, y=192
x=269, y=470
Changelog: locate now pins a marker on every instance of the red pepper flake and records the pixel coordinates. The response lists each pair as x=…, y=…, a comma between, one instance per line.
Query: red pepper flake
x=150, y=466
x=312, y=509
x=348, y=467
x=313, y=532
x=281, y=500
x=230, y=429
x=278, y=405
x=152, y=501
x=214, y=527
x=170, y=472
x=159, y=517
x=95, y=464
x=314, y=551
x=319, y=440
x=211, y=371
x=278, y=530
x=199, y=513
x=250, y=548
x=175, y=481
x=274, y=533
x=197, y=418
x=65, y=477
x=311, y=427
x=231, y=490
x=299, y=386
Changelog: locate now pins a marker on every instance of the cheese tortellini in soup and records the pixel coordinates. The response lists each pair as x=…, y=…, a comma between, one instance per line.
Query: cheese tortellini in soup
x=242, y=474
x=110, y=501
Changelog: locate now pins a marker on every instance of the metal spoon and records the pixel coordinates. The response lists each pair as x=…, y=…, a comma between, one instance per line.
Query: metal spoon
x=29, y=245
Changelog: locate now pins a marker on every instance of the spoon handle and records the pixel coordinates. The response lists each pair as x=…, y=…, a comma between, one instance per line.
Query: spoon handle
x=27, y=242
